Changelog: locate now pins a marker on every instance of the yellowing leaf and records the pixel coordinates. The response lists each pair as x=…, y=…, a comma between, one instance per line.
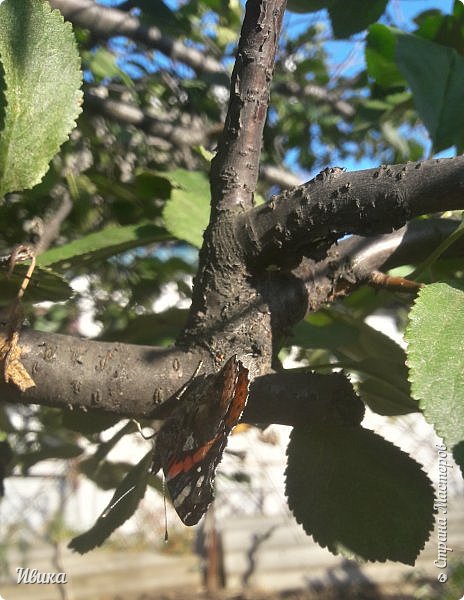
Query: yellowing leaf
x=10, y=359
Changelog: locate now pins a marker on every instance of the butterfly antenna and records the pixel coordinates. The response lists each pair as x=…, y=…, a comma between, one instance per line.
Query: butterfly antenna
x=166, y=535
x=107, y=511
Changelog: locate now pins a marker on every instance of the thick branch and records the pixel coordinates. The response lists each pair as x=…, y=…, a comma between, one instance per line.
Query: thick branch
x=409, y=245
x=232, y=311
x=234, y=170
x=308, y=219
x=135, y=381
x=220, y=316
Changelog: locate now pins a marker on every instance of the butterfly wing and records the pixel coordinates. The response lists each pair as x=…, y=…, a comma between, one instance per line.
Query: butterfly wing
x=190, y=461
x=190, y=480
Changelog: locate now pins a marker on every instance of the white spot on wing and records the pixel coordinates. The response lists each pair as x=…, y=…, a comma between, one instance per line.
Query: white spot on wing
x=189, y=443
x=182, y=496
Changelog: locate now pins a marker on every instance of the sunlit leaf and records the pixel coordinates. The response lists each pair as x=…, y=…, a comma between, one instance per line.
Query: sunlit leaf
x=43, y=77
x=381, y=56
x=186, y=214
x=435, y=337
x=101, y=245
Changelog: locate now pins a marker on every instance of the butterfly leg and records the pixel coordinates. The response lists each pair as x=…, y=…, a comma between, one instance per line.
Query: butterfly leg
x=188, y=383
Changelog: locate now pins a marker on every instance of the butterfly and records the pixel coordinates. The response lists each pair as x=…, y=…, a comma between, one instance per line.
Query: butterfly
x=191, y=441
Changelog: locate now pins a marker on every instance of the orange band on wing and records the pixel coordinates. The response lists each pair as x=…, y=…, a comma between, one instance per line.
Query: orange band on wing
x=187, y=464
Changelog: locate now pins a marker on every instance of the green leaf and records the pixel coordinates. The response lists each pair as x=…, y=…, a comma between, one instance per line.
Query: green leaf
x=103, y=244
x=438, y=251
x=186, y=214
x=442, y=28
x=149, y=185
x=434, y=72
x=351, y=16
x=358, y=494
x=381, y=56
x=44, y=285
x=383, y=385
x=386, y=392
x=43, y=77
x=378, y=361
x=121, y=507
x=226, y=35
x=323, y=330
x=435, y=75
x=436, y=358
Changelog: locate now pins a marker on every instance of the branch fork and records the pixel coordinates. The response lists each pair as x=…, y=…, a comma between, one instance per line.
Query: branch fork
x=261, y=268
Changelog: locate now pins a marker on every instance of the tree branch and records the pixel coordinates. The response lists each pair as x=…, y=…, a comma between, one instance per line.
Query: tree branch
x=350, y=262
x=220, y=316
x=132, y=115
x=135, y=381
x=234, y=169
x=233, y=310
x=308, y=219
x=316, y=92
x=124, y=112
x=106, y=22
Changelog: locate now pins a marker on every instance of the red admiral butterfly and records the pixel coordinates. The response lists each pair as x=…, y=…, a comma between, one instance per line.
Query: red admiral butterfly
x=191, y=441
